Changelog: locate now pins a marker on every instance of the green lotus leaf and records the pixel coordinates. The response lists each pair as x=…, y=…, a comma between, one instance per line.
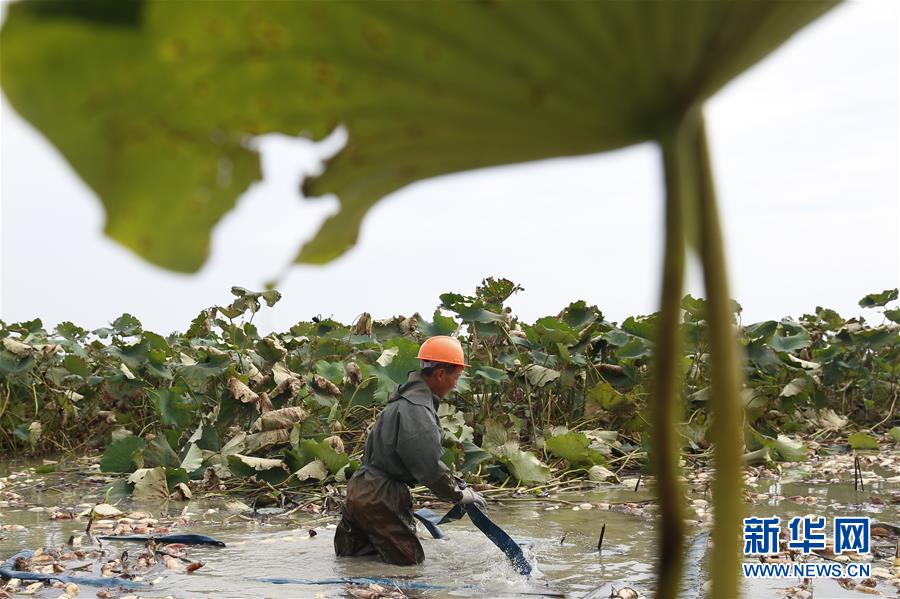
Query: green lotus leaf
x=636, y=348
x=495, y=435
x=490, y=374
x=790, y=337
x=553, y=330
x=133, y=356
x=579, y=315
x=160, y=453
x=874, y=300
x=440, y=325
x=77, y=365
x=574, y=448
x=862, y=441
x=394, y=365
x=309, y=450
x=127, y=325
x=787, y=449
x=172, y=408
x=616, y=337
x=473, y=456
x=642, y=326
x=121, y=454
x=197, y=374
x=152, y=101
x=333, y=371
x=523, y=465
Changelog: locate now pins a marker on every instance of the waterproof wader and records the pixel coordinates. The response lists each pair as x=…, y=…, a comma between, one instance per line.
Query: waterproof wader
x=402, y=449
x=378, y=518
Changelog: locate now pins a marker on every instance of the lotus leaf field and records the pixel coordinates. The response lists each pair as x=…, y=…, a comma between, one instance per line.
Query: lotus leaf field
x=565, y=397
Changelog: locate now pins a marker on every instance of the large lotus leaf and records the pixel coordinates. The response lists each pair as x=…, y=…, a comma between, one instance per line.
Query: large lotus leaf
x=473, y=456
x=258, y=441
x=453, y=424
x=160, y=453
x=579, y=315
x=879, y=299
x=441, y=325
x=198, y=374
x=636, y=348
x=11, y=364
x=862, y=441
x=553, y=330
x=602, y=397
x=333, y=371
x=490, y=374
x=539, y=376
x=150, y=484
x=523, y=465
x=309, y=450
x=394, y=365
x=77, y=365
x=123, y=455
x=193, y=459
x=270, y=470
x=574, y=448
x=469, y=309
x=133, y=356
x=495, y=435
x=791, y=336
x=150, y=101
x=173, y=408
x=787, y=449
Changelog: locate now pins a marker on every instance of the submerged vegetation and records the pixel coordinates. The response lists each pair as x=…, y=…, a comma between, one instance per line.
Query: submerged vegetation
x=564, y=397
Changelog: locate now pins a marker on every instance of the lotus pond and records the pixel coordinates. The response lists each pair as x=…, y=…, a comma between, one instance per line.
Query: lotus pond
x=250, y=437
x=561, y=532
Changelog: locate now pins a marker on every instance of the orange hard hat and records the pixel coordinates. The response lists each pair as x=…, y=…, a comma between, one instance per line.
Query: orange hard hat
x=442, y=348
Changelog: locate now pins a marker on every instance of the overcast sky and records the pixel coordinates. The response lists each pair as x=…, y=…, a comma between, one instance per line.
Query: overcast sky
x=805, y=153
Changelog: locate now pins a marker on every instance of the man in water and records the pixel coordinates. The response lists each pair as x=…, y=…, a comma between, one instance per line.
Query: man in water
x=403, y=448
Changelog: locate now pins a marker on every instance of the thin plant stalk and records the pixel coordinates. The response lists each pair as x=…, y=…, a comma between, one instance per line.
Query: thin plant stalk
x=664, y=405
x=726, y=380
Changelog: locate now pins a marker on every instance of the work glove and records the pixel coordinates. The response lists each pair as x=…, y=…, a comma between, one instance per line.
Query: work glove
x=470, y=497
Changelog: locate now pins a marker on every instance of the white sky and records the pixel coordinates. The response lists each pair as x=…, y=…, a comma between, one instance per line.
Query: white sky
x=805, y=151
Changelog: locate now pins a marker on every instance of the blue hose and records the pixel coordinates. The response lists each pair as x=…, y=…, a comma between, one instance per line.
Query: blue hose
x=7, y=570
x=186, y=539
x=497, y=535
x=386, y=582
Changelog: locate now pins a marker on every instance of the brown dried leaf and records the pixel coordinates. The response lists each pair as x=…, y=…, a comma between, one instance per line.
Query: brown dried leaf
x=354, y=375
x=323, y=384
x=242, y=392
x=193, y=566
x=290, y=387
x=284, y=418
x=336, y=443
x=266, y=438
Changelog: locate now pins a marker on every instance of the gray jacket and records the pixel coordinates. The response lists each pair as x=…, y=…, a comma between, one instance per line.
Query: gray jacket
x=405, y=443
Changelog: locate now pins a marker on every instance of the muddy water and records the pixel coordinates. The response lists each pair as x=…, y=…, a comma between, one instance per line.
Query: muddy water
x=562, y=539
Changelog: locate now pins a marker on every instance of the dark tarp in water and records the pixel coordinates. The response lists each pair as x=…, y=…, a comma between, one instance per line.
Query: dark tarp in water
x=497, y=535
